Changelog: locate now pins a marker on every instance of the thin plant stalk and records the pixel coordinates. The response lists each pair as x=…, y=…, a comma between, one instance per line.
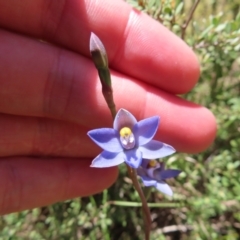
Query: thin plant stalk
x=146, y=213
x=100, y=60
x=185, y=25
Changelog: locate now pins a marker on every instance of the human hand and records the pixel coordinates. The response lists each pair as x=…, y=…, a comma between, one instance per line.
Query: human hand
x=51, y=96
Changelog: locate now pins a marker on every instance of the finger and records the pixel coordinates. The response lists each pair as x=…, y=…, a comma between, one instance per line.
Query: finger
x=59, y=84
x=137, y=45
x=32, y=136
x=33, y=182
x=25, y=136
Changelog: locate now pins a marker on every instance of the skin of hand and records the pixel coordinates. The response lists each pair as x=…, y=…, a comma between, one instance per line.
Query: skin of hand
x=51, y=95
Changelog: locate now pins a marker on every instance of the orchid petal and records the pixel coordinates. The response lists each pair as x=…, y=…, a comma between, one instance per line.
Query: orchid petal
x=164, y=188
x=133, y=158
x=141, y=172
x=145, y=130
x=162, y=166
x=108, y=159
x=107, y=139
x=148, y=182
x=155, y=149
x=144, y=163
x=124, y=119
x=169, y=173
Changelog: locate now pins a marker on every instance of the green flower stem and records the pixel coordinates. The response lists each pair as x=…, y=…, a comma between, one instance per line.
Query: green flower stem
x=100, y=60
x=107, y=90
x=139, y=204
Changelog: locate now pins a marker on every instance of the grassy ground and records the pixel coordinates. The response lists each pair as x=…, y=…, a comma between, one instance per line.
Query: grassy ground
x=206, y=204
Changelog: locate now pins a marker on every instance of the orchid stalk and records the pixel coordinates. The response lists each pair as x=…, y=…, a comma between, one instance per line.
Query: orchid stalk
x=99, y=57
x=129, y=141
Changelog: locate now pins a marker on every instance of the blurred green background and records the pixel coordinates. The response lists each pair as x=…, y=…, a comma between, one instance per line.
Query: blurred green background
x=206, y=204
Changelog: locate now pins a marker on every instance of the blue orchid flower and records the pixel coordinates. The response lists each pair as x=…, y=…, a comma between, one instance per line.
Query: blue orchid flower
x=153, y=173
x=128, y=141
